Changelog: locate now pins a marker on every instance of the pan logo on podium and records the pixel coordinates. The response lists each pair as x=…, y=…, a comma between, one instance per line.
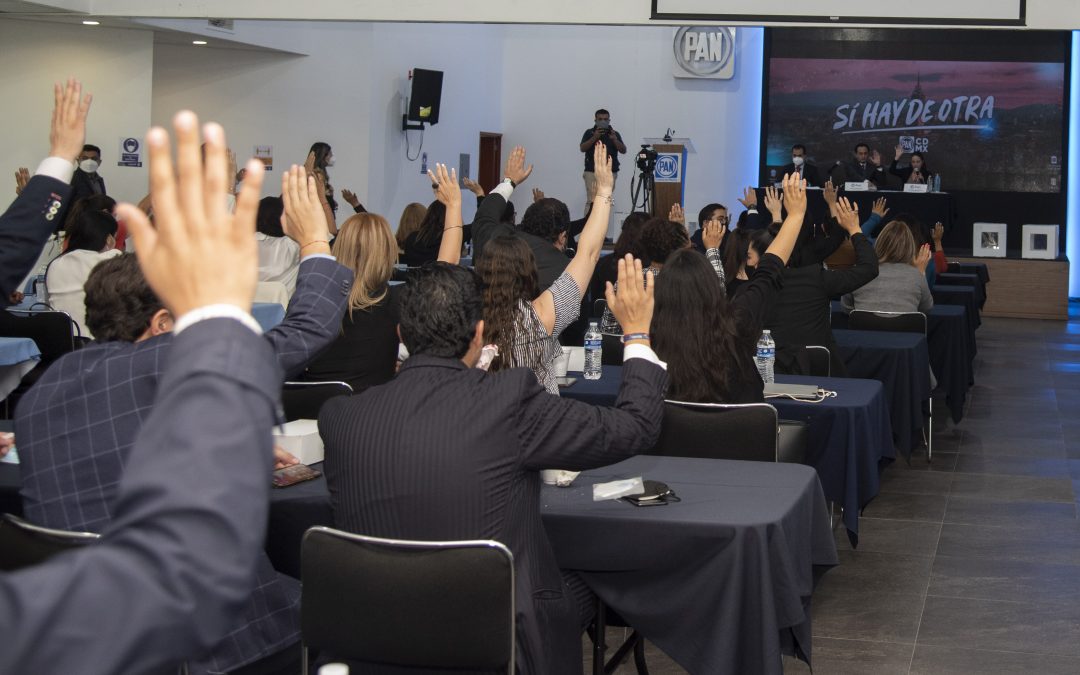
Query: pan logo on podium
x=704, y=52
x=668, y=168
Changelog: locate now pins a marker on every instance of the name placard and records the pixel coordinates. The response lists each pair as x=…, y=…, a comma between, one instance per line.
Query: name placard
x=916, y=187
x=857, y=186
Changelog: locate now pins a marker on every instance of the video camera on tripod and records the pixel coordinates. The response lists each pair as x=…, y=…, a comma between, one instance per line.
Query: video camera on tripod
x=641, y=186
x=646, y=158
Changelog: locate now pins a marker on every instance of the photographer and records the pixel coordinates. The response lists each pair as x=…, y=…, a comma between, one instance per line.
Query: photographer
x=601, y=132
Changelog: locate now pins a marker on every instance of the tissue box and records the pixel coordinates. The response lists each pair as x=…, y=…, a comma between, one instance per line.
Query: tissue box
x=301, y=439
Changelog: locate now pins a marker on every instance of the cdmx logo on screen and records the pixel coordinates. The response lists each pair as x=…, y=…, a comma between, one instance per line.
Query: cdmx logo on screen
x=703, y=50
x=667, y=167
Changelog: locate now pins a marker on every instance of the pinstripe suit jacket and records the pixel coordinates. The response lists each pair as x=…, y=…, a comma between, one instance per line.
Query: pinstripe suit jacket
x=447, y=452
x=25, y=226
x=77, y=425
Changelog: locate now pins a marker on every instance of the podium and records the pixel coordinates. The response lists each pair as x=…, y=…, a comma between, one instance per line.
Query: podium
x=669, y=177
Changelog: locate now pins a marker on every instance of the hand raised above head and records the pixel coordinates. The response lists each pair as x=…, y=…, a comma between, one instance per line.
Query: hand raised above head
x=68, y=130
x=774, y=202
x=22, y=177
x=605, y=179
x=848, y=215
x=305, y=220
x=712, y=233
x=632, y=305
x=516, y=170
x=749, y=198
x=196, y=253
x=447, y=190
x=472, y=186
x=794, y=194
x=676, y=214
x=879, y=207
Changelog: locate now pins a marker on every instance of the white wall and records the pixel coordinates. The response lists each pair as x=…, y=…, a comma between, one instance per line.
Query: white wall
x=627, y=70
x=115, y=65
x=289, y=102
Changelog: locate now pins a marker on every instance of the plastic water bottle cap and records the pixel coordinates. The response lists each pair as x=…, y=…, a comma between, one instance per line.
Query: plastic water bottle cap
x=334, y=669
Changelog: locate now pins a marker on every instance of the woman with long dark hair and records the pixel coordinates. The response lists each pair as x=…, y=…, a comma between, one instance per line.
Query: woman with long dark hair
x=320, y=158
x=90, y=240
x=522, y=321
x=708, y=341
x=915, y=172
x=422, y=246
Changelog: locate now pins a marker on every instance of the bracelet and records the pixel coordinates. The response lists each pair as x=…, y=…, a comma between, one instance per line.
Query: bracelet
x=610, y=199
x=451, y=227
x=312, y=243
x=627, y=337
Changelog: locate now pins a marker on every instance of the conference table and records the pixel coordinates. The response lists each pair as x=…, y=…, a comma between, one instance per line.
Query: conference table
x=951, y=346
x=965, y=296
x=965, y=279
x=720, y=581
x=928, y=207
x=979, y=269
x=848, y=436
x=901, y=362
x=18, y=356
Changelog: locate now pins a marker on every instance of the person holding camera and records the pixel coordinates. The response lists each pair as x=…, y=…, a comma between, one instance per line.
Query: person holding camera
x=600, y=132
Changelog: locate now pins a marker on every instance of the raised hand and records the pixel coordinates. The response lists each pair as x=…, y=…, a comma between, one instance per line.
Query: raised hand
x=795, y=195
x=899, y=150
x=22, y=177
x=879, y=207
x=350, y=197
x=829, y=192
x=231, y=159
x=676, y=214
x=472, y=186
x=305, y=219
x=712, y=233
x=938, y=233
x=749, y=198
x=196, y=253
x=633, y=304
x=68, y=131
x=605, y=180
x=848, y=215
x=922, y=258
x=875, y=158
x=516, y=170
x=774, y=202
x=538, y=194
x=446, y=186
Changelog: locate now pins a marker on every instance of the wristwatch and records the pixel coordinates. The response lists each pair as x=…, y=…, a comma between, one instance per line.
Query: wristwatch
x=507, y=179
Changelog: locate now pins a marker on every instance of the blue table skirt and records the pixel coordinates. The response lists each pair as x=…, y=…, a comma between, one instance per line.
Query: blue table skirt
x=901, y=362
x=15, y=350
x=951, y=344
x=945, y=294
x=848, y=436
x=965, y=279
x=268, y=314
x=979, y=269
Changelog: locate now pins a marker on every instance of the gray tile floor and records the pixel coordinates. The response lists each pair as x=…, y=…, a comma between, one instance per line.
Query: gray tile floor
x=970, y=564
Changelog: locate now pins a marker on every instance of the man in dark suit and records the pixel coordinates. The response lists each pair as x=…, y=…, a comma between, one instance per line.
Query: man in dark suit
x=77, y=425
x=544, y=227
x=447, y=451
x=87, y=182
x=863, y=166
x=807, y=170
x=43, y=202
x=176, y=565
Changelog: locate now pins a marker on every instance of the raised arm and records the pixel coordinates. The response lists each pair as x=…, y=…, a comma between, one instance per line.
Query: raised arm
x=838, y=282
x=589, y=244
x=448, y=192
x=941, y=264
x=795, y=201
x=487, y=223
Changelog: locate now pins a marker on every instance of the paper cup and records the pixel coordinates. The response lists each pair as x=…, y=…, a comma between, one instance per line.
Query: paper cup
x=550, y=476
x=562, y=363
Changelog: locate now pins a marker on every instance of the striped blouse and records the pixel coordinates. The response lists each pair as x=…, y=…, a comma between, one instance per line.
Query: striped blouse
x=530, y=330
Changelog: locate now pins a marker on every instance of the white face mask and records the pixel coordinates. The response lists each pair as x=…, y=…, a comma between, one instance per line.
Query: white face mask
x=797, y=161
x=330, y=162
x=89, y=165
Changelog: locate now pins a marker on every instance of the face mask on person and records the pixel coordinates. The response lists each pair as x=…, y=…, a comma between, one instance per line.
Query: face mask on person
x=603, y=124
x=797, y=160
x=89, y=165
x=330, y=162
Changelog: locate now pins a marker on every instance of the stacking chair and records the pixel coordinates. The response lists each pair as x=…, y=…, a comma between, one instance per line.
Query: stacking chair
x=819, y=360
x=719, y=431
x=303, y=400
x=898, y=322
x=598, y=307
x=54, y=332
x=419, y=604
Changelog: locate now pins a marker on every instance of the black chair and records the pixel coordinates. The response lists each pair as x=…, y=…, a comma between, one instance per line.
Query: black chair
x=898, y=322
x=598, y=307
x=407, y=603
x=819, y=361
x=53, y=332
x=303, y=400
x=612, y=354
x=23, y=544
x=719, y=431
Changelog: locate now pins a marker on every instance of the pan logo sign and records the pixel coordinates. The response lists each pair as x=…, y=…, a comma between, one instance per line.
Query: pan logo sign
x=704, y=52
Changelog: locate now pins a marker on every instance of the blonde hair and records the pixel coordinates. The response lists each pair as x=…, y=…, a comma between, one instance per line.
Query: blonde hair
x=365, y=244
x=895, y=244
x=410, y=221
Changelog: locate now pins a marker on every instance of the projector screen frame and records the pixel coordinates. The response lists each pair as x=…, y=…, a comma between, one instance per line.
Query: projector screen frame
x=766, y=20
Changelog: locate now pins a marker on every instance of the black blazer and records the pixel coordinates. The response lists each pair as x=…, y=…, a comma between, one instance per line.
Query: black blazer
x=809, y=172
x=800, y=314
x=446, y=452
x=550, y=261
x=82, y=185
x=850, y=171
x=25, y=227
x=905, y=173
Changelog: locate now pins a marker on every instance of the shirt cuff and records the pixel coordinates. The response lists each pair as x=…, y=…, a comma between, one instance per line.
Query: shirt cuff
x=640, y=351
x=216, y=312
x=503, y=189
x=318, y=255
x=56, y=167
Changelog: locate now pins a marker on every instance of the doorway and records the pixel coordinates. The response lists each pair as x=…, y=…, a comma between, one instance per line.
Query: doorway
x=490, y=167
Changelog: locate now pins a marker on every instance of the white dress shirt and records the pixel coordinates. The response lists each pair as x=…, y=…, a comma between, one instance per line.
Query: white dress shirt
x=65, y=283
x=279, y=260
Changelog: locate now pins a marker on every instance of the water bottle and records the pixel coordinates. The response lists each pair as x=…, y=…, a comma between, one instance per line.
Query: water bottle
x=334, y=669
x=766, y=357
x=593, y=349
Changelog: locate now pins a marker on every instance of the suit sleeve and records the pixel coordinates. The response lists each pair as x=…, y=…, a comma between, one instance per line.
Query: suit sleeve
x=561, y=433
x=822, y=247
x=486, y=224
x=177, y=564
x=865, y=270
x=313, y=319
x=25, y=227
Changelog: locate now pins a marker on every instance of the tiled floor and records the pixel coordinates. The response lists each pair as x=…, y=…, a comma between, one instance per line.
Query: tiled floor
x=971, y=564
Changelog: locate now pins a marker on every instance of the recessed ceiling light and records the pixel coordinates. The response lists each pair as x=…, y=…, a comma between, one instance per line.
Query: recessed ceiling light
x=91, y=23
x=198, y=42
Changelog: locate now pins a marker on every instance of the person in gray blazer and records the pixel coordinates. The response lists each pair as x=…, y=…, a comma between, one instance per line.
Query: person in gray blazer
x=447, y=451
x=901, y=284
x=176, y=564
